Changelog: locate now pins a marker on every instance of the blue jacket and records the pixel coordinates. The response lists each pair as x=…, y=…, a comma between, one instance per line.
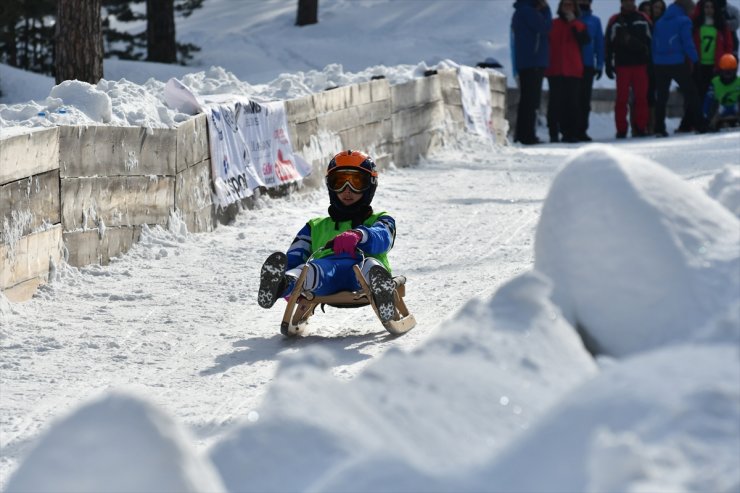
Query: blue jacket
x=672, y=40
x=593, y=52
x=531, y=28
x=377, y=238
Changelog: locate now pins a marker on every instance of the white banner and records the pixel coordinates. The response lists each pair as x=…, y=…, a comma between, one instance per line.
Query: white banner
x=250, y=148
x=249, y=142
x=475, y=90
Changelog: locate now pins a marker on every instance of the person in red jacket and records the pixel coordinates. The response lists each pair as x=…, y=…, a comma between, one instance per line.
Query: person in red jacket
x=565, y=71
x=628, y=40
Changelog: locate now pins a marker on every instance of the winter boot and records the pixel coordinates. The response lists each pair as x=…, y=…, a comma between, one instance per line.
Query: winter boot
x=272, y=279
x=383, y=290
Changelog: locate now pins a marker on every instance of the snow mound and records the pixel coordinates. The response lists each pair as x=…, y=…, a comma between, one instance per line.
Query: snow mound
x=117, y=443
x=639, y=257
x=92, y=101
x=725, y=188
x=444, y=407
x=666, y=420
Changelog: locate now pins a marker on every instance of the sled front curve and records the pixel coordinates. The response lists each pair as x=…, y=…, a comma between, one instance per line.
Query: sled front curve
x=302, y=305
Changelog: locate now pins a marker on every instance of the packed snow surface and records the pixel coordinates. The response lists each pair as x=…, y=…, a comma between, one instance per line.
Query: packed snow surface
x=159, y=372
x=493, y=381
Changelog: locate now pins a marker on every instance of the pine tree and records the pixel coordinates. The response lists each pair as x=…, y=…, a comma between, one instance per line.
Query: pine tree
x=79, y=41
x=160, y=31
x=27, y=34
x=123, y=45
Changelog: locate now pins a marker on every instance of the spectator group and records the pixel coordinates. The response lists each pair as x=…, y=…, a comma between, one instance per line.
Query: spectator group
x=644, y=47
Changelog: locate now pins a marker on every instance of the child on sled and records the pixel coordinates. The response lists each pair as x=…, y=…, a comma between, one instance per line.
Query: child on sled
x=722, y=102
x=329, y=245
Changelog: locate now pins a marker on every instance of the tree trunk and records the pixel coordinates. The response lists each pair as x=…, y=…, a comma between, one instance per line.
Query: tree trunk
x=160, y=31
x=79, y=41
x=308, y=12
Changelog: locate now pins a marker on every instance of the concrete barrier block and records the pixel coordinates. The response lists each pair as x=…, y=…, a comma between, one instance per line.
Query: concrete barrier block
x=497, y=81
x=28, y=154
x=417, y=92
x=380, y=89
x=300, y=110
x=29, y=257
x=353, y=116
x=455, y=114
x=499, y=113
x=332, y=100
x=360, y=94
x=193, y=197
x=301, y=134
x=406, y=152
x=27, y=204
x=192, y=142
x=116, y=201
x=363, y=137
x=418, y=119
x=106, y=151
x=498, y=100
x=89, y=247
x=450, y=86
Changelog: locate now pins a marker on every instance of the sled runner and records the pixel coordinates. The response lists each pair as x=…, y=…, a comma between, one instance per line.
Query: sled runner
x=301, y=305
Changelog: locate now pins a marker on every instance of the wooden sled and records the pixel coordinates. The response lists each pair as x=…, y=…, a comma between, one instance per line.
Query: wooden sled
x=301, y=305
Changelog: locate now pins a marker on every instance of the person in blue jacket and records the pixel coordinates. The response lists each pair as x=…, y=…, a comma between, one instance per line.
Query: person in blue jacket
x=673, y=44
x=530, y=27
x=329, y=244
x=593, y=65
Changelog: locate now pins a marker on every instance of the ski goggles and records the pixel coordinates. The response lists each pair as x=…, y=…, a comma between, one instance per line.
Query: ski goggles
x=358, y=181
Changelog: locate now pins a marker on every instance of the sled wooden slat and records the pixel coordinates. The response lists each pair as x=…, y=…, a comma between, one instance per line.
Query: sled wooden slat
x=300, y=307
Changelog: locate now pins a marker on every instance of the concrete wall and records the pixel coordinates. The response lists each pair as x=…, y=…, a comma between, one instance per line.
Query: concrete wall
x=86, y=192
x=30, y=219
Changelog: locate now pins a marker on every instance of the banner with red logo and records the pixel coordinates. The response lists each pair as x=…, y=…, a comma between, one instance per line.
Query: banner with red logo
x=250, y=148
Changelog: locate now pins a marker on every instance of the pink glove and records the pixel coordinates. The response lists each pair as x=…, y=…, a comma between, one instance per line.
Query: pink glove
x=346, y=242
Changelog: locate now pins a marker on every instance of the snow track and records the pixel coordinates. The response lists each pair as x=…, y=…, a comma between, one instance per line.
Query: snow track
x=177, y=320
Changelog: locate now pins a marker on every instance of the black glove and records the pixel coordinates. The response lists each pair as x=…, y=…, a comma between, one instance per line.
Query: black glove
x=597, y=74
x=610, y=71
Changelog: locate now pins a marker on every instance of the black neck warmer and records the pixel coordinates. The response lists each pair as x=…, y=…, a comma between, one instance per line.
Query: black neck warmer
x=357, y=213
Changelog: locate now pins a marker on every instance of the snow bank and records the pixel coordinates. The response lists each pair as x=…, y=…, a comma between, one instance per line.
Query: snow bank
x=725, y=188
x=125, y=103
x=639, y=258
x=485, y=376
x=667, y=420
x=96, y=104
x=117, y=443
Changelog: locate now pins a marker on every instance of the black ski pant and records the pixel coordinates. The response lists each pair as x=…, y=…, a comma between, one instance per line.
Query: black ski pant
x=530, y=94
x=563, y=113
x=586, y=89
x=681, y=73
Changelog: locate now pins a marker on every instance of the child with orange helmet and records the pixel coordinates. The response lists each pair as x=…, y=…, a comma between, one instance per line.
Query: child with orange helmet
x=329, y=245
x=722, y=100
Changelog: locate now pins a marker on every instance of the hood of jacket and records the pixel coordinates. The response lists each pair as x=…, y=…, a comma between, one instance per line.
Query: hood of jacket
x=525, y=3
x=673, y=11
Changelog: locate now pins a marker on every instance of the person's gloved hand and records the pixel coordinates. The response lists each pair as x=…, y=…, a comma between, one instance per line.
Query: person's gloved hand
x=598, y=73
x=346, y=242
x=609, y=71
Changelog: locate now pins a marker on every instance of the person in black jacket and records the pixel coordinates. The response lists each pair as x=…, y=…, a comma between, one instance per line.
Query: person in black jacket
x=530, y=28
x=628, y=40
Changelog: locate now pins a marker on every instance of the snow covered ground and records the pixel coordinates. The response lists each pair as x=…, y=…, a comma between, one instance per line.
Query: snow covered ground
x=492, y=373
x=159, y=372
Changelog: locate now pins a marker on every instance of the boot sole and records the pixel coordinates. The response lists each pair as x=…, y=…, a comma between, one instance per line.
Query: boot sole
x=383, y=289
x=273, y=271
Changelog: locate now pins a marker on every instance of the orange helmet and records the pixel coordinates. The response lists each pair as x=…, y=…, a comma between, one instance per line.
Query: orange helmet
x=728, y=62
